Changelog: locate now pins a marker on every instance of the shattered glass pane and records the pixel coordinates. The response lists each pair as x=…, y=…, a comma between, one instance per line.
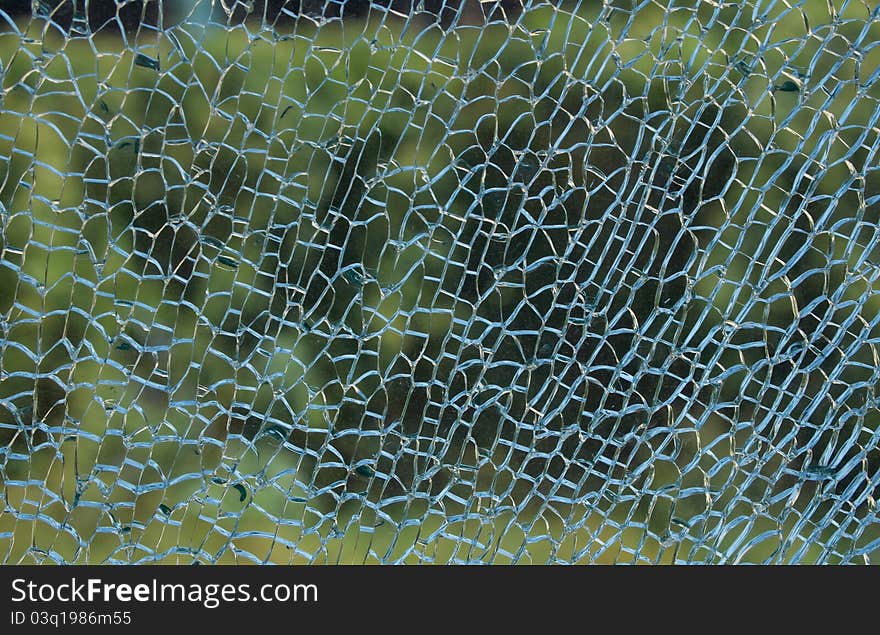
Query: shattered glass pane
x=506, y=281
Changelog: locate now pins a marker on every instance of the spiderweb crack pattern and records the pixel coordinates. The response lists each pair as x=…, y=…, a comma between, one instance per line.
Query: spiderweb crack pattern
x=452, y=282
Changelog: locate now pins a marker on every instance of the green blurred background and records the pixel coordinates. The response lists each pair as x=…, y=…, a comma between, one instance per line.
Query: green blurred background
x=249, y=277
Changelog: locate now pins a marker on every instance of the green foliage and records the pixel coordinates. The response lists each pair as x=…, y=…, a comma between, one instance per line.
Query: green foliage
x=201, y=220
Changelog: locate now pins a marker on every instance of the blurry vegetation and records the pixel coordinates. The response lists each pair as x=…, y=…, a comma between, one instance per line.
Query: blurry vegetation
x=563, y=285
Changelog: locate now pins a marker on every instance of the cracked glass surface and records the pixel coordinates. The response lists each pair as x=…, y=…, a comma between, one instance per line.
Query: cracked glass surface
x=439, y=282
